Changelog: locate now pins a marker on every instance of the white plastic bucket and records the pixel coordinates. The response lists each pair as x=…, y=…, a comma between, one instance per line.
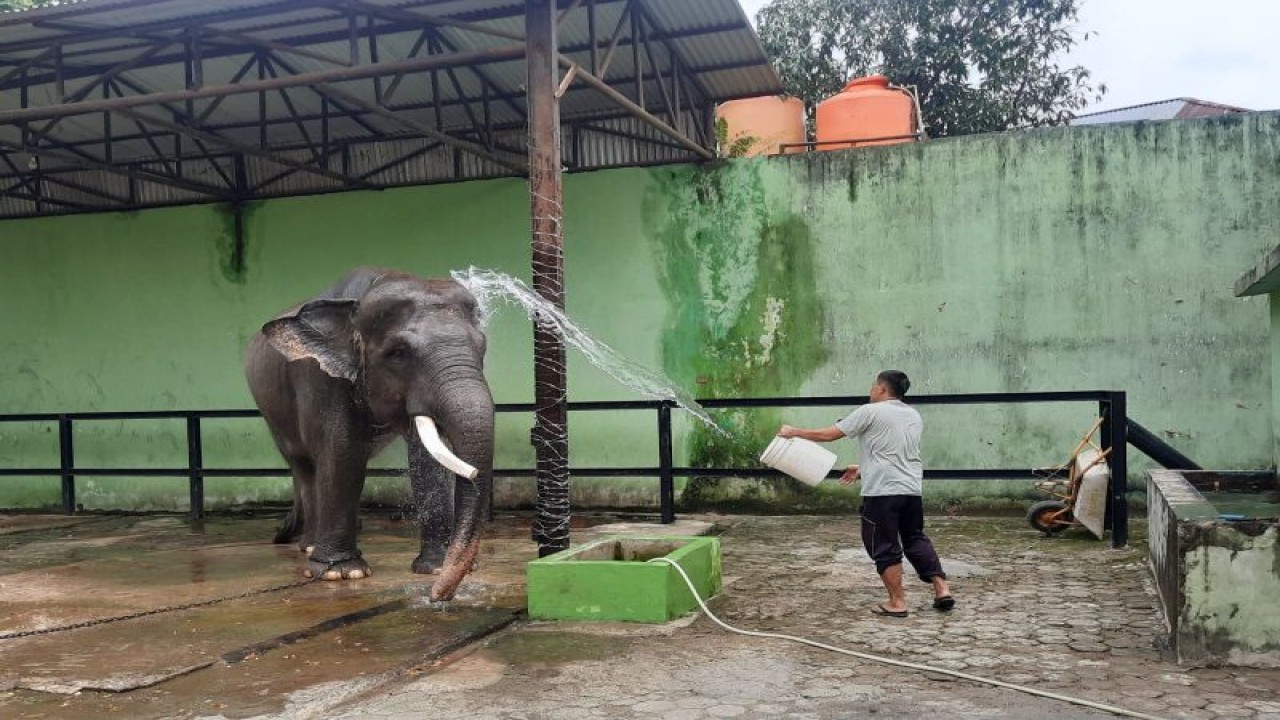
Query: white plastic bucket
x=802, y=459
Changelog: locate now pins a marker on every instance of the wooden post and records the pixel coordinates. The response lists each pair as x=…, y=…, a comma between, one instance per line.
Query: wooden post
x=551, y=429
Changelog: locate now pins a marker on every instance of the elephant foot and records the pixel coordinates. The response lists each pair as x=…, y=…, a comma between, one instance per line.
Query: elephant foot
x=350, y=567
x=427, y=563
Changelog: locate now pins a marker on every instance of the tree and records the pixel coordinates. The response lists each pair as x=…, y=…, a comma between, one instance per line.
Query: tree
x=14, y=5
x=977, y=65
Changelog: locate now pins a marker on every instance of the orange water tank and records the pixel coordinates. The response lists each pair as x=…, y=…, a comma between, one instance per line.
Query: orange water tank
x=866, y=112
x=767, y=122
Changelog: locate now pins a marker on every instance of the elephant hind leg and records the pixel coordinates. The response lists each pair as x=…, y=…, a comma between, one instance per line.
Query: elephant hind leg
x=294, y=525
x=290, y=528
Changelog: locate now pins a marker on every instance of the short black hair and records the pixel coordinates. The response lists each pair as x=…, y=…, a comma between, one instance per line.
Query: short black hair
x=896, y=381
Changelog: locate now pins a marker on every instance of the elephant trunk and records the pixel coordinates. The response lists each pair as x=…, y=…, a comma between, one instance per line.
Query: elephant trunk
x=465, y=412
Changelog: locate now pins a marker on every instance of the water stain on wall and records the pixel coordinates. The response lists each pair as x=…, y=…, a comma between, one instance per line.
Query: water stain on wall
x=746, y=317
x=233, y=241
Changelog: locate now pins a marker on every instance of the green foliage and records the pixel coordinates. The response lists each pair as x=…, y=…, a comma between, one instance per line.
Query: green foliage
x=15, y=5
x=737, y=147
x=978, y=65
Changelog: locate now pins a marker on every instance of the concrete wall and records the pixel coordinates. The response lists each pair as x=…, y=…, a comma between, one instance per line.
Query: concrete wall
x=1231, y=585
x=1216, y=578
x=1274, y=302
x=1080, y=258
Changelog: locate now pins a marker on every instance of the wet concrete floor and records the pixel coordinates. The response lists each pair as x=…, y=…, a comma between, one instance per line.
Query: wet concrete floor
x=157, y=617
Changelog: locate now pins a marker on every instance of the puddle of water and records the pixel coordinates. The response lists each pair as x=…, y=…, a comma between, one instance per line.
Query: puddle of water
x=263, y=683
x=524, y=649
x=1244, y=505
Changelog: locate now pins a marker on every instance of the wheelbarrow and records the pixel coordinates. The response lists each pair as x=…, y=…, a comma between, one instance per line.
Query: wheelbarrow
x=1079, y=490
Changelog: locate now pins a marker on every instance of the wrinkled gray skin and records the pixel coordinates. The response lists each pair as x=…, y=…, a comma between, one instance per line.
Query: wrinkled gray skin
x=339, y=377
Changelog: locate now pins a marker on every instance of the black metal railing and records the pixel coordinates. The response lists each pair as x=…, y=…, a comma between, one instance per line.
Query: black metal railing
x=1111, y=406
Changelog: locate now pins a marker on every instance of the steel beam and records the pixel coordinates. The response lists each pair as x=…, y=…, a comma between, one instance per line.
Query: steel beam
x=359, y=72
x=394, y=13
x=31, y=62
x=352, y=114
x=191, y=132
x=676, y=56
x=401, y=160
x=486, y=82
x=427, y=130
x=277, y=46
x=637, y=111
x=82, y=160
x=79, y=95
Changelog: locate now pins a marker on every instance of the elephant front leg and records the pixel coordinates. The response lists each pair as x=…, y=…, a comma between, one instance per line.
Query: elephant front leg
x=433, y=507
x=333, y=520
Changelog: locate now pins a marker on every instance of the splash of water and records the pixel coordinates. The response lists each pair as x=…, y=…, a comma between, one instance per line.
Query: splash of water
x=489, y=287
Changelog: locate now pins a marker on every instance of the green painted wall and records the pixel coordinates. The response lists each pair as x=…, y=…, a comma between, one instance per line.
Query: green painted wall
x=1082, y=258
x=1273, y=301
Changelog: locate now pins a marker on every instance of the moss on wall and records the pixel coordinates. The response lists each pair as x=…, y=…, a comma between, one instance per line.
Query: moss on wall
x=745, y=313
x=234, y=243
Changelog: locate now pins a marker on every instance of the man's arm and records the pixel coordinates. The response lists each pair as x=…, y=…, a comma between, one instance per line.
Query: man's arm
x=826, y=434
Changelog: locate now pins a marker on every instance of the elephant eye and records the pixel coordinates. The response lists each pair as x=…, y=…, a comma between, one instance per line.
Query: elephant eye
x=399, y=351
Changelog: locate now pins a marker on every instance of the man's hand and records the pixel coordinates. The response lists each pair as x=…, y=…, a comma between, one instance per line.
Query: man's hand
x=850, y=476
x=786, y=431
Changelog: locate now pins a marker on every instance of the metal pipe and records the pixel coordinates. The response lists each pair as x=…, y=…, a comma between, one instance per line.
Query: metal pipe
x=67, y=461
x=1119, y=461
x=853, y=142
x=666, y=482
x=195, y=464
x=1156, y=449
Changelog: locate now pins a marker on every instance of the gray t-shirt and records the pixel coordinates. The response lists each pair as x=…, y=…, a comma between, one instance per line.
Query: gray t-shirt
x=888, y=434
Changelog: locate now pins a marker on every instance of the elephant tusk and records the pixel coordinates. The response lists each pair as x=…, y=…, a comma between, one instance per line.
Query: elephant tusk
x=431, y=440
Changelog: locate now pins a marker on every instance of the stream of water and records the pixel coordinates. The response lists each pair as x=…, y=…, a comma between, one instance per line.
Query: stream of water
x=489, y=287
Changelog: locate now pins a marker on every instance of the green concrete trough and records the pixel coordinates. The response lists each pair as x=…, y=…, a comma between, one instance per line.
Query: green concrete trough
x=611, y=579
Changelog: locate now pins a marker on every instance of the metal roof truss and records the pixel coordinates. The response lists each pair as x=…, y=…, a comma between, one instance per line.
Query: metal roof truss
x=276, y=98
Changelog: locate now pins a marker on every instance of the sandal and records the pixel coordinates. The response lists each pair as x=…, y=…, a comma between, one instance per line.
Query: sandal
x=882, y=610
x=944, y=603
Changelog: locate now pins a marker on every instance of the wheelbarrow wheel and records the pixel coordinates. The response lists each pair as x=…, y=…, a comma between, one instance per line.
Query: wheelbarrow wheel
x=1047, y=516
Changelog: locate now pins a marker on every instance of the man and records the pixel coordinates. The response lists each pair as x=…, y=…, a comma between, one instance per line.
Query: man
x=888, y=433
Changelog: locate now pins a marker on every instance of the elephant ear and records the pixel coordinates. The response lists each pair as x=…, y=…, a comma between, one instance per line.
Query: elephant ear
x=321, y=330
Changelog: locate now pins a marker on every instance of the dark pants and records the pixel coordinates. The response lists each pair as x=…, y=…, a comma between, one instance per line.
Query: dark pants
x=893, y=526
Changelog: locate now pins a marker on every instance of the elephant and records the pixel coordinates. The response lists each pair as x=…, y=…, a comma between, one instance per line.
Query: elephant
x=380, y=354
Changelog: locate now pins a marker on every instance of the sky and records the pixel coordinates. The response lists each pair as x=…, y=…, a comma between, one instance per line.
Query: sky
x=1150, y=50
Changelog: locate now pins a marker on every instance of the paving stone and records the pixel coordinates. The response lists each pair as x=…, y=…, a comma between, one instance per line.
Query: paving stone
x=1231, y=710
x=1089, y=647
x=655, y=707
x=681, y=714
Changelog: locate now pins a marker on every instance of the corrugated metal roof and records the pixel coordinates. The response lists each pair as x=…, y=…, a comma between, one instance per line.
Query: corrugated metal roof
x=141, y=47
x=1174, y=109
